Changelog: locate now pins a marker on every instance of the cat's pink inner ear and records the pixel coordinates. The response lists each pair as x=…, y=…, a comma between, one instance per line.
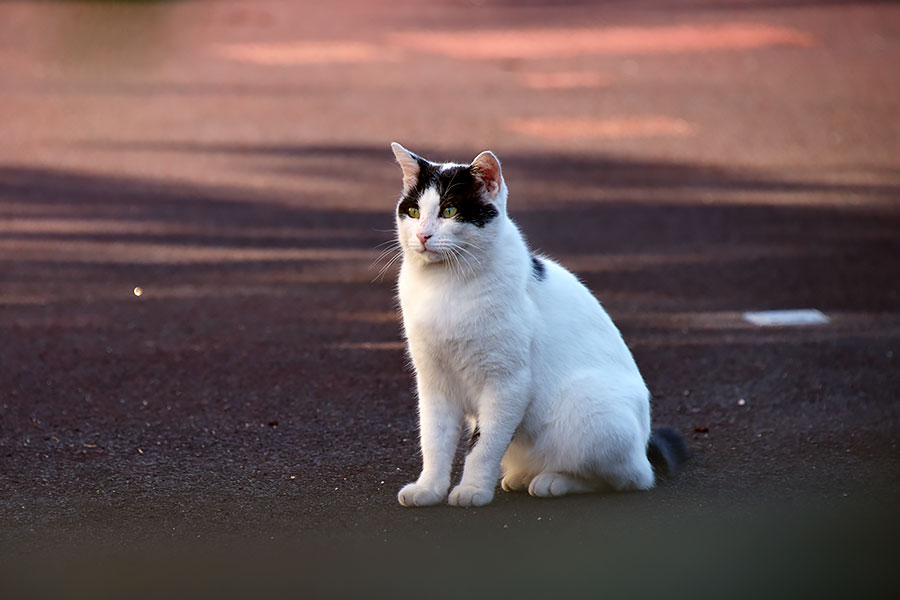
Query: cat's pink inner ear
x=486, y=169
x=408, y=163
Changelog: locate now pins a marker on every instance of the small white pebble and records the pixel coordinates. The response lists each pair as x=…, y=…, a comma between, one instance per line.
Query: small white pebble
x=741, y=402
x=138, y=291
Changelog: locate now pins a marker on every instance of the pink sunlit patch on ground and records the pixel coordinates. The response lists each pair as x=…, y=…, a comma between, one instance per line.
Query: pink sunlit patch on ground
x=300, y=53
x=563, y=80
x=623, y=127
x=542, y=43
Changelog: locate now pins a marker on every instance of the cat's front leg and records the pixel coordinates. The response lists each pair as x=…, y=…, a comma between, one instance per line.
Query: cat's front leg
x=440, y=424
x=499, y=415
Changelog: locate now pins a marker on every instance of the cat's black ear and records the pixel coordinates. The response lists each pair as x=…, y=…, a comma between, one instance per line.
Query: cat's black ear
x=409, y=162
x=486, y=169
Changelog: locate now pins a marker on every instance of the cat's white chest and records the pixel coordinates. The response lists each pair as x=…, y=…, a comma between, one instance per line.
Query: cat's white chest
x=439, y=314
x=463, y=330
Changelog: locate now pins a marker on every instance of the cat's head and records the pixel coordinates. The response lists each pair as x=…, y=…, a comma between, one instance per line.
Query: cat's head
x=448, y=210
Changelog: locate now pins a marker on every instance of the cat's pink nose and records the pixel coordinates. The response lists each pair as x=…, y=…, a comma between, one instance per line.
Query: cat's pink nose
x=423, y=238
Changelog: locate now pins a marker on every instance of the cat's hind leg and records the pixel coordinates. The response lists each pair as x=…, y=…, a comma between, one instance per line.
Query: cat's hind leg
x=634, y=474
x=621, y=461
x=517, y=464
x=551, y=484
x=516, y=481
x=597, y=441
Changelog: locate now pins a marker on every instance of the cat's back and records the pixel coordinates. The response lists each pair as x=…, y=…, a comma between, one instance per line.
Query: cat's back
x=574, y=328
x=559, y=294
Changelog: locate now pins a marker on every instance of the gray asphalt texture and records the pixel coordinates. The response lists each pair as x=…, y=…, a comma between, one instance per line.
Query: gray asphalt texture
x=243, y=425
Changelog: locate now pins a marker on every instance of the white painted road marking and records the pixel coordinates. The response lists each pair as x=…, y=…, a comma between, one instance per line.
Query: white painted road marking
x=780, y=318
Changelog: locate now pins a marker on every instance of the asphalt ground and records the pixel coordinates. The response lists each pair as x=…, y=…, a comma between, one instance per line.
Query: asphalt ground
x=243, y=425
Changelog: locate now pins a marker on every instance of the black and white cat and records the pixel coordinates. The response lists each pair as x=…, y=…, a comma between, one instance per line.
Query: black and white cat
x=514, y=344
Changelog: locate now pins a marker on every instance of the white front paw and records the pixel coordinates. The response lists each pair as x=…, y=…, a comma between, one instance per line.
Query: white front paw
x=469, y=495
x=416, y=494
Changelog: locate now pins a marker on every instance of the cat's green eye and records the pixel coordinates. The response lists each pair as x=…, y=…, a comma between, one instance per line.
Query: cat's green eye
x=449, y=212
x=413, y=211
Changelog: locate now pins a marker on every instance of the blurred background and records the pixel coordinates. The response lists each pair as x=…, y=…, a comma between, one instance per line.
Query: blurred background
x=197, y=341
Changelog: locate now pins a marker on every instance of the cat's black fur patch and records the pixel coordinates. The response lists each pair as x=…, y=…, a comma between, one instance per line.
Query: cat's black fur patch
x=538, y=269
x=427, y=174
x=457, y=187
x=666, y=451
x=473, y=439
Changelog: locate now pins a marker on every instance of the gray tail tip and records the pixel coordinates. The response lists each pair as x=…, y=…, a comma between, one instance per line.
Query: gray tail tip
x=667, y=451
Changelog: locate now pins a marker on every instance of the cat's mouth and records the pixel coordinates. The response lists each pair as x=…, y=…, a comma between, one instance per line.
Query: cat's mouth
x=430, y=255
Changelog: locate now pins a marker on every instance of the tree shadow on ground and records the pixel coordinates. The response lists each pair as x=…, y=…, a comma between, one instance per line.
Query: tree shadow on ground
x=657, y=234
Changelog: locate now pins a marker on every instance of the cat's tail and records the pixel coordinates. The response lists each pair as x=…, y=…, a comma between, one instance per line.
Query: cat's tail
x=666, y=451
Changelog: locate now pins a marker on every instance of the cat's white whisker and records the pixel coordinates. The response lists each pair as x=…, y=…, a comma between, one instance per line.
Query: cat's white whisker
x=464, y=266
x=463, y=249
x=392, y=242
x=384, y=269
x=459, y=266
x=452, y=264
x=461, y=260
x=384, y=254
x=381, y=274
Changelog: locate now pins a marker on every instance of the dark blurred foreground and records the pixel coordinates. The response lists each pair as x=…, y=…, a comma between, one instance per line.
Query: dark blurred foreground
x=714, y=552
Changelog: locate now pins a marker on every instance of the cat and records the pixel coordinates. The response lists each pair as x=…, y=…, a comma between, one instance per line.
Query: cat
x=514, y=345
